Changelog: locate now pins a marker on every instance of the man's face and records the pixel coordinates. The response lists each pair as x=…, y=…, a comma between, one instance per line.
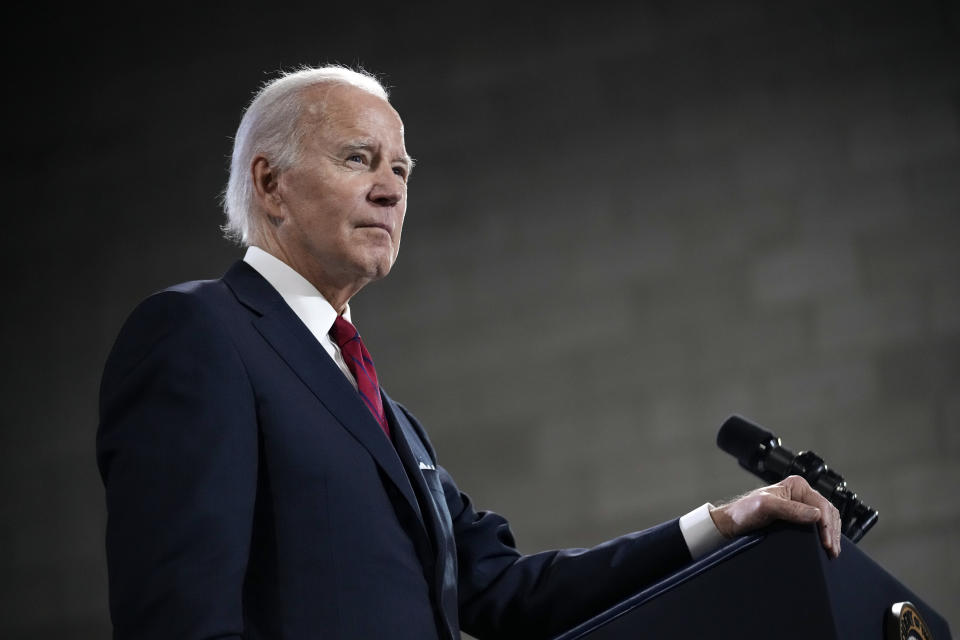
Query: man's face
x=343, y=200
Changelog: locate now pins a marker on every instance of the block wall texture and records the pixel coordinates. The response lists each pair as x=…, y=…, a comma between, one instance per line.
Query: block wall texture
x=626, y=223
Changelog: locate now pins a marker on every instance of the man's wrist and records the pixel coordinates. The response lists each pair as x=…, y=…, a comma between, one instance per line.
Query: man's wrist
x=699, y=532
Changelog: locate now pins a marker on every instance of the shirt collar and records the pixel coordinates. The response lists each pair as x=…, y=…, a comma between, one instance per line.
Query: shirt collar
x=301, y=296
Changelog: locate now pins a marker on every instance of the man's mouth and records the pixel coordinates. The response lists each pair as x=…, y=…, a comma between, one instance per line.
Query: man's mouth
x=375, y=225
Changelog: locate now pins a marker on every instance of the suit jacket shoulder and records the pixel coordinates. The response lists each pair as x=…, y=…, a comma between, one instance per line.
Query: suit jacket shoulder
x=177, y=449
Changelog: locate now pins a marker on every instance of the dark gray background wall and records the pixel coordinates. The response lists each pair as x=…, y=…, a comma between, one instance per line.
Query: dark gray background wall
x=626, y=223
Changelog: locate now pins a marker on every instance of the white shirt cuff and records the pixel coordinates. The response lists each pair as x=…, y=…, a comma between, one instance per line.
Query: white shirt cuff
x=699, y=532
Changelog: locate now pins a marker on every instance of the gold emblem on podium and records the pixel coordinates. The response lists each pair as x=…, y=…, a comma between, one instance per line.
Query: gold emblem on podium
x=904, y=622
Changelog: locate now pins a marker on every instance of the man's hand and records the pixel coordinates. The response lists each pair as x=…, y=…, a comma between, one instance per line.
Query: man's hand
x=791, y=499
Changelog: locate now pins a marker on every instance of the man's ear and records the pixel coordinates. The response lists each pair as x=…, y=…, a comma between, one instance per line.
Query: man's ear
x=266, y=188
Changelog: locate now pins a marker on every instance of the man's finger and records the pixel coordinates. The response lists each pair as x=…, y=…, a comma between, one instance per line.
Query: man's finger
x=835, y=528
x=829, y=521
x=798, y=489
x=791, y=510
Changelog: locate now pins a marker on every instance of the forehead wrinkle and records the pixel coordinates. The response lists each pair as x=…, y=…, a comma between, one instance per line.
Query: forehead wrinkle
x=321, y=114
x=361, y=143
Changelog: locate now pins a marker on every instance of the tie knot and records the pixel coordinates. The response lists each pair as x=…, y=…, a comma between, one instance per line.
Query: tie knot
x=343, y=332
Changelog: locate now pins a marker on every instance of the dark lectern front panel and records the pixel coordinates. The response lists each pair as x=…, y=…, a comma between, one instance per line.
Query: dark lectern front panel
x=778, y=585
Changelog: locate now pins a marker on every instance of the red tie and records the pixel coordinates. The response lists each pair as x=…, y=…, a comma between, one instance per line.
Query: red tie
x=361, y=366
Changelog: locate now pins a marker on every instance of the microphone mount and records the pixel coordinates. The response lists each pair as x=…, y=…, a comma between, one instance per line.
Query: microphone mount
x=761, y=453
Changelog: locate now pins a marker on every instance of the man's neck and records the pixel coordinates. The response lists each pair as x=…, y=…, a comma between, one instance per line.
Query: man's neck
x=337, y=295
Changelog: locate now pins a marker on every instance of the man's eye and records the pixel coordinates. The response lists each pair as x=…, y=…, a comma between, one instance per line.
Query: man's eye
x=400, y=171
x=357, y=158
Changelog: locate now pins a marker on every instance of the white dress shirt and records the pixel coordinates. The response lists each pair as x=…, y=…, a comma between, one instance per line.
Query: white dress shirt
x=699, y=532
x=301, y=296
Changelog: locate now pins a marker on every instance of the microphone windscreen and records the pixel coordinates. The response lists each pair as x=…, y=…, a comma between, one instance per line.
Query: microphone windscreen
x=741, y=438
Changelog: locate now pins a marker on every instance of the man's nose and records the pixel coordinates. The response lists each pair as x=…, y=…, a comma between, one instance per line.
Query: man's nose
x=387, y=189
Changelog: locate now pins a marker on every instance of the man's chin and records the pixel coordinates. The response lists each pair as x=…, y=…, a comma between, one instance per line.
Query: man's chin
x=378, y=268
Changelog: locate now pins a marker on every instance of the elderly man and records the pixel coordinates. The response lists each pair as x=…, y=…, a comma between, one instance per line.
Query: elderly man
x=259, y=481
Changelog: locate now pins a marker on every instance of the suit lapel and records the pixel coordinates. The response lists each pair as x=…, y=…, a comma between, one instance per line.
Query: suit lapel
x=419, y=464
x=403, y=439
x=294, y=343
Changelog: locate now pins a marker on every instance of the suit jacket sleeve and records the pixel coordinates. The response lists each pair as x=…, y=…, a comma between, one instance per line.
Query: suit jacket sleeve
x=504, y=594
x=177, y=451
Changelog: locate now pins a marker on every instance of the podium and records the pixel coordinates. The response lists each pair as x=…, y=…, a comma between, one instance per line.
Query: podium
x=779, y=584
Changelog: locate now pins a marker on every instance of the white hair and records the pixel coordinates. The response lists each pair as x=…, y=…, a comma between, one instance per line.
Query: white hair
x=269, y=127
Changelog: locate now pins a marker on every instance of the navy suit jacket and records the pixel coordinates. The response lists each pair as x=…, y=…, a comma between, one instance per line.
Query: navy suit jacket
x=251, y=494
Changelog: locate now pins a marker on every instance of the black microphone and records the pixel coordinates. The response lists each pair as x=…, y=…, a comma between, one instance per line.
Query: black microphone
x=760, y=452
